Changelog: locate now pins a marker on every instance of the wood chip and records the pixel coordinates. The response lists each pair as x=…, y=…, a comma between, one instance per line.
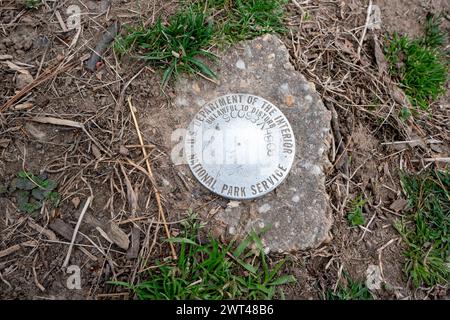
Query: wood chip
x=65, y=230
x=438, y=159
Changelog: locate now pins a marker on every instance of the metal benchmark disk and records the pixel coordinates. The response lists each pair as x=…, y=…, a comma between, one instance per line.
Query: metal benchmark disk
x=240, y=146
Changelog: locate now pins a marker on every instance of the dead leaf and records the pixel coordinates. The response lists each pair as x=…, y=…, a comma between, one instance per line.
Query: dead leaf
x=15, y=67
x=113, y=234
x=416, y=139
x=399, y=205
x=131, y=194
x=4, y=142
x=104, y=235
x=399, y=96
x=346, y=46
x=96, y=152
x=109, y=230
x=434, y=147
x=124, y=151
x=289, y=100
x=23, y=106
x=117, y=235
x=76, y=202
x=35, y=132
x=24, y=77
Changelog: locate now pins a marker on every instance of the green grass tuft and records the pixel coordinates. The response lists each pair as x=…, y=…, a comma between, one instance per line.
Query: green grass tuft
x=32, y=191
x=434, y=36
x=177, y=46
x=183, y=44
x=426, y=231
x=247, y=19
x=212, y=271
x=356, y=216
x=32, y=4
x=420, y=65
x=354, y=290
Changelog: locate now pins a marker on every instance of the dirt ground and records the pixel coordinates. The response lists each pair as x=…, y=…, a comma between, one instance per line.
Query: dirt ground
x=108, y=161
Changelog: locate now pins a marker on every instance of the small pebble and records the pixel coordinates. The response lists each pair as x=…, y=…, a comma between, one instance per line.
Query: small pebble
x=240, y=64
x=288, y=66
x=124, y=151
x=22, y=80
x=27, y=44
x=289, y=100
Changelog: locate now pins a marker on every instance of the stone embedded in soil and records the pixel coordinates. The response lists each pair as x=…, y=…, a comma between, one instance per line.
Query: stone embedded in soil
x=23, y=79
x=297, y=212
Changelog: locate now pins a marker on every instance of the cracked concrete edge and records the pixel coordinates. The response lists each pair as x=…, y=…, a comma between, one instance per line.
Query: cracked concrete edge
x=239, y=220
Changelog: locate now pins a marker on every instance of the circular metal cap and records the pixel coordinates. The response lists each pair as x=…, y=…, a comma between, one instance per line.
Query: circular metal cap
x=240, y=146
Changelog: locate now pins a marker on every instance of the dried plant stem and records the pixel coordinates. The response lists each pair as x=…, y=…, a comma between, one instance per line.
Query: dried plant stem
x=74, y=236
x=363, y=35
x=152, y=179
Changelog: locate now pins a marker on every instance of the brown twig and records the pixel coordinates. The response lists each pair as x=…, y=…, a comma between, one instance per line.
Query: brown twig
x=152, y=179
x=17, y=247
